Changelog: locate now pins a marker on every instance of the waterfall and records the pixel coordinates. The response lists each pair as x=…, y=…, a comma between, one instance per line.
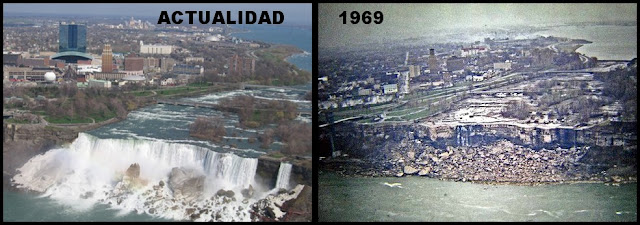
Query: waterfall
x=106, y=157
x=284, y=174
x=93, y=167
x=230, y=169
x=462, y=136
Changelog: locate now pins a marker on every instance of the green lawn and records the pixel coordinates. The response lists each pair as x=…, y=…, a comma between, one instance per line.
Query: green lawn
x=268, y=56
x=401, y=112
x=276, y=155
x=142, y=93
x=42, y=113
x=199, y=84
x=256, y=116
x=67, y=119
x=425, y=113
x=53, y=128
x=12, y=120
x=367, y=120
x=173, y=91
x=179, y=90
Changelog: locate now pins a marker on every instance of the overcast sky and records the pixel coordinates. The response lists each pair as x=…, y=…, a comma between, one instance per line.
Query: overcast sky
x=298, y=14
x=414, y=19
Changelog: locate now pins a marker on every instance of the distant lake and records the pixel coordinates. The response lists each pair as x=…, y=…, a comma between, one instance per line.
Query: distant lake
x=296, y=36
x=426, y=199
x=609, y=42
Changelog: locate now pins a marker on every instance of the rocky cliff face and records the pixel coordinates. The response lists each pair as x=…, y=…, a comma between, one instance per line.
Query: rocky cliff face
x=186, y=183
x=301, y=172
x=133, y=171
x=285, y=206
x=508, y=153
x=299, y=209
x=37, y=133
x=267, y=171
x=22, y=142
x=616, y=134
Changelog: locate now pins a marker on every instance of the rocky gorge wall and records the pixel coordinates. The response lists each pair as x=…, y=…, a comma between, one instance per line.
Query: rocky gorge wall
x=23, y=141
x=607, y=146
x=615, y=134
x=487, y=153
x=267, y=171
x=37, y=133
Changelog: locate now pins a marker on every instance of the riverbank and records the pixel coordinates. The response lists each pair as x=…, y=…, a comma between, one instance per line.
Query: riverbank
x=499, y=163
x=609, y=42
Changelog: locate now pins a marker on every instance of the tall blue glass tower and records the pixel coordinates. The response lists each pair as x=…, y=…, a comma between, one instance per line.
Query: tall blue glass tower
x=73, y=43
x=73, y=37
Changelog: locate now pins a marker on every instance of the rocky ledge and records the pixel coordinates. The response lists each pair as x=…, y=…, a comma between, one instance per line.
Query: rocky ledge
x=182, y=198
x=291, y=206
x=500, y=162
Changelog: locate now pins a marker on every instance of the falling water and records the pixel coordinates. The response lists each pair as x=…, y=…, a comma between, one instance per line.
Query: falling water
x=95, y=166
x=283, y=176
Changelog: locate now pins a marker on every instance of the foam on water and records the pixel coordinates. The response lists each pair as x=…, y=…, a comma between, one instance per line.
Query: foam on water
x=163, y=116
x=303, y=119
x=93, y=165
x=284, y=99
x=214, y=98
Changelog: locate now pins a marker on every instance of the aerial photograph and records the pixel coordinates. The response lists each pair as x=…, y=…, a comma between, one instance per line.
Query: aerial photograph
x=477, y=112
x=112, y=113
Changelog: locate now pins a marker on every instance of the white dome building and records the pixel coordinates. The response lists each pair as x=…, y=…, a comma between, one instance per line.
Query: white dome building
x=49, y=77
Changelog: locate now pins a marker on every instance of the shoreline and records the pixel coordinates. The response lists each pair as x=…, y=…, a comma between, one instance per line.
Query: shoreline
x=304, y=53
x=280, y=54
x=279, y=44
x=592, y=41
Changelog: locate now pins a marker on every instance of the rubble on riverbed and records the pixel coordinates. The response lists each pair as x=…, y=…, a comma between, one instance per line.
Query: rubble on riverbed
x=501, y=162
